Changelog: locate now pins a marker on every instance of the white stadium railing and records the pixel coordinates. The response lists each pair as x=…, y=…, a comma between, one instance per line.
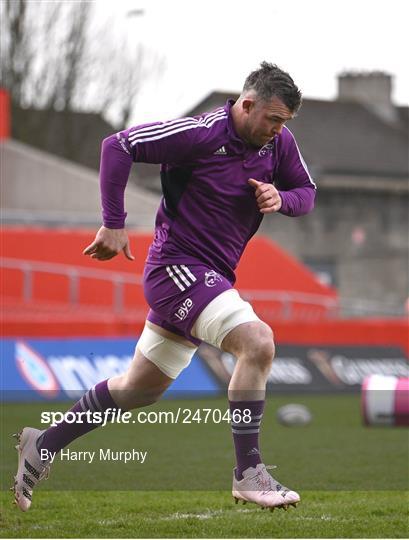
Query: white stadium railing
x=73, y=274
x=287, y=304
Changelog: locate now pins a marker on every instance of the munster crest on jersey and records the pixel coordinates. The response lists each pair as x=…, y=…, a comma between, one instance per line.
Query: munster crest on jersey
x=211, y=278
x=266, y=150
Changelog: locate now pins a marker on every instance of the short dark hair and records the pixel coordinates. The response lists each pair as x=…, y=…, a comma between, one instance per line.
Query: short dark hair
x=269, y=80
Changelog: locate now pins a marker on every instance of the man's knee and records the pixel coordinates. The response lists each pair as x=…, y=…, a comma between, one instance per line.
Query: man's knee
x=252, y=342
x=260, y=347
x=130, y=392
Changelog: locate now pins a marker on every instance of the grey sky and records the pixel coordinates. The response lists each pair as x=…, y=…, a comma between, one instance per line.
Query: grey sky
x=213, y=45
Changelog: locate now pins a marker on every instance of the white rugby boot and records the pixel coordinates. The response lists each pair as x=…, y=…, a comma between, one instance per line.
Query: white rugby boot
x=30, y=467
x=258, y=486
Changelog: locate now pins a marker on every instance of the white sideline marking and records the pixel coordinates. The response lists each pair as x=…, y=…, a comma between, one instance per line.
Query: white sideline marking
x=325, y=517
x=108, y=522
x=205, y=515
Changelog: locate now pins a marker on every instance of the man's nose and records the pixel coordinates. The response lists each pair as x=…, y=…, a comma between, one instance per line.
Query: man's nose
x=278, y=128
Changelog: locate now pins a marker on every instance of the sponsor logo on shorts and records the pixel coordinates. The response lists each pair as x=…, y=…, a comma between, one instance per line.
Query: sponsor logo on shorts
x=211, y=278
x=183, y=311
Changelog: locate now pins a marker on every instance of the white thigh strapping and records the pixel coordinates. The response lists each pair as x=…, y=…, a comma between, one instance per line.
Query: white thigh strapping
x=224, y=313
x=170, y=356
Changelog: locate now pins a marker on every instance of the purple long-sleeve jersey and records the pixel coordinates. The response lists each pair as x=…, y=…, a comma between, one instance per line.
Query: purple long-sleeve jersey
x=208, y=211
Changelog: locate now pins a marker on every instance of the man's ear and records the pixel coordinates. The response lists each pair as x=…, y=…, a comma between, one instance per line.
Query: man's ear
x=247, y=104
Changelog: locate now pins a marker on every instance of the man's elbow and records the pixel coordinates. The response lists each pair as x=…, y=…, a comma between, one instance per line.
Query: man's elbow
x=109, y=142
x=310, y=203
x=115, y=144
x=306, y=205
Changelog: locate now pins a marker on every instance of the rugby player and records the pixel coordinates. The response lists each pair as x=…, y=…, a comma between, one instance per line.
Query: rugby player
x=221, y=173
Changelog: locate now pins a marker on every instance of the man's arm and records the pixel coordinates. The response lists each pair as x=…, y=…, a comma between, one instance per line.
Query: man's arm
x=112, y=238
x=157, y=142
x=115, y=166
x=293, y=181
x=150, y=143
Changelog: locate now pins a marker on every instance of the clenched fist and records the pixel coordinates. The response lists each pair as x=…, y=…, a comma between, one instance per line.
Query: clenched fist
x=268, y=198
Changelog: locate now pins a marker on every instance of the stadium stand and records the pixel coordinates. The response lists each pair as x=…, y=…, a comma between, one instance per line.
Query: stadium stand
x=38, y=187
x=46, y=278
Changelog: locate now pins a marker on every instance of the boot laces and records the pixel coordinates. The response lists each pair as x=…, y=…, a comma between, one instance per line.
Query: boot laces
x=45, y=472
x=265, y=481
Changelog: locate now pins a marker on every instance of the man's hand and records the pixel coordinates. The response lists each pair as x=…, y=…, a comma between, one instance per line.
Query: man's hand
x=108, y=243
x=268, y=198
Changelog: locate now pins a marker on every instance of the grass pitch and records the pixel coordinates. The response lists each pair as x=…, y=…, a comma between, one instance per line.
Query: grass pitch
x=157, y=514
x=352, y=479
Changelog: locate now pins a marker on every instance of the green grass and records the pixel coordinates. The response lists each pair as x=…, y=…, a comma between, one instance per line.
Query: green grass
x=353, y=480
x=205, y=515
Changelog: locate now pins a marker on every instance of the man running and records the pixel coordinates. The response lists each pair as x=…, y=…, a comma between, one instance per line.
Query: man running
x=221, y=172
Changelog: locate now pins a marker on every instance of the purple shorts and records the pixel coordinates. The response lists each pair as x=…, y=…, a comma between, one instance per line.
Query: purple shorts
x=177, y=294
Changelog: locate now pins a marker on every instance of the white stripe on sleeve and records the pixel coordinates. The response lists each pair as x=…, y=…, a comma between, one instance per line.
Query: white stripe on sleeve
x=167, y=126
x=302, y=159
x=162, y=134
